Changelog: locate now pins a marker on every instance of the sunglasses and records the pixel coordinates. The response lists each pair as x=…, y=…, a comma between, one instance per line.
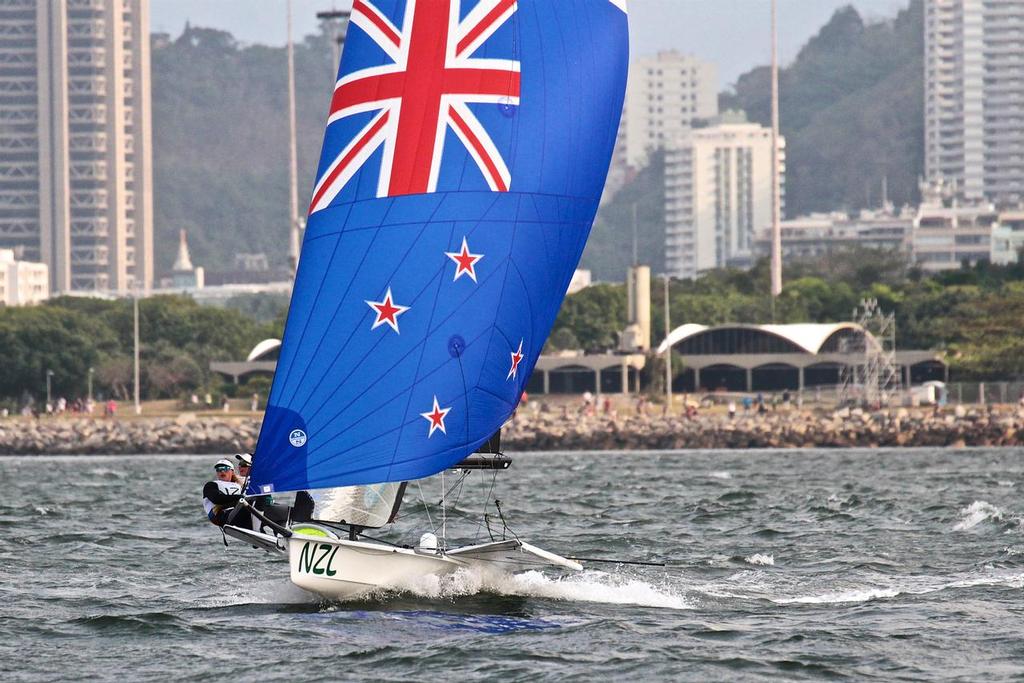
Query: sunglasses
x=222, y=468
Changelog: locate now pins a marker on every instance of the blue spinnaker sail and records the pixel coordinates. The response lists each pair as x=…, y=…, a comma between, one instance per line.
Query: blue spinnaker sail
x=464, y=158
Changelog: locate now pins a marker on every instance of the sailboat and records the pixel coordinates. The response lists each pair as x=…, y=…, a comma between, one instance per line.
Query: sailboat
x=465, y=153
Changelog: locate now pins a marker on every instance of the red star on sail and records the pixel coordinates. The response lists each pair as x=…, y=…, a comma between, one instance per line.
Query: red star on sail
x=465, y=261
x=436, y=418
x=387, y=311
x=517, y=358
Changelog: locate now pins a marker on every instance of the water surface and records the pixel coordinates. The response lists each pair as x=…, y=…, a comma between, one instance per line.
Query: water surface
x=881, y=564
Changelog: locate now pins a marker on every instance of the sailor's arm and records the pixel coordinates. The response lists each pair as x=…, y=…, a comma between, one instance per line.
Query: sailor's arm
x=213, y=493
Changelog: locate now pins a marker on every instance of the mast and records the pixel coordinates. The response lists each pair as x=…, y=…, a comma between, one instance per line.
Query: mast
x=293, y=163
x=776, y=198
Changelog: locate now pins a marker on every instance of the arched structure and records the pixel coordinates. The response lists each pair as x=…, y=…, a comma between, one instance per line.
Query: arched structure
x=262, y=360
x=574, y=373
x=743, y=357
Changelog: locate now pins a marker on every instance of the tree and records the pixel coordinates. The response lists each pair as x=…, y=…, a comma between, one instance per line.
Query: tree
x=595, y=316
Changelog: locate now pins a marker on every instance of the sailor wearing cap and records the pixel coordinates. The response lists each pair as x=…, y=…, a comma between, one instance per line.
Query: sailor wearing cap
x=221, y=494
x=244, y=465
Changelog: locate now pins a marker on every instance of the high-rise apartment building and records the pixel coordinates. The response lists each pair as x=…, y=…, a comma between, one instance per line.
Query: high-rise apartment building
x=664, y=95
x=718, y=193
x=75, y=140
x=974, y=95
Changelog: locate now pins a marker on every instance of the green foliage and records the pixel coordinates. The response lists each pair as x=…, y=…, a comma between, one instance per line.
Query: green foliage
x=68, y=335
x=595, y=316
x=976, y=314
x=851, y=109
x=38, y=339
x=263, y=307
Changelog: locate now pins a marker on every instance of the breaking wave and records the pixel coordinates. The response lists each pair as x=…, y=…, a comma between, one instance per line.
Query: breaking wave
x=587, y=586
x=976, y=513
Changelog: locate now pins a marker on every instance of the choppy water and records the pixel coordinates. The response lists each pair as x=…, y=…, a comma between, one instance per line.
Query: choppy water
x=792, y=565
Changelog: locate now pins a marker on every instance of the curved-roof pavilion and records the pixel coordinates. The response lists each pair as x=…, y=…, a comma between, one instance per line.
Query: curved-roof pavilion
x=809, y=337
x=262, y=349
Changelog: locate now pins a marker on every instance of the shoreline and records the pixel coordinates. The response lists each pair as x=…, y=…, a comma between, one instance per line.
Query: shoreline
x=553, y=430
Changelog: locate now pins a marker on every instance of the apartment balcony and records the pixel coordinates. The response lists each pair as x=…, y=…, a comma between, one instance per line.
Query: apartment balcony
x=90, y=255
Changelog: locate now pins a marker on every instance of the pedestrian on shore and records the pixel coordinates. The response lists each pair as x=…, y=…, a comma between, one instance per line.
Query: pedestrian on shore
x=226, y=405
x=111, y=410
x=732, y=410
x=254, y=405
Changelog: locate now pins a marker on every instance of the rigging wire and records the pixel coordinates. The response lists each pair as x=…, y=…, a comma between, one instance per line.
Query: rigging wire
x=426, y=508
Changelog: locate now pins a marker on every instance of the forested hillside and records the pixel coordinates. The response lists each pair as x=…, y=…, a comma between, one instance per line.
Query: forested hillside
x=220, y=142
x=851, y=109
x=850, y=102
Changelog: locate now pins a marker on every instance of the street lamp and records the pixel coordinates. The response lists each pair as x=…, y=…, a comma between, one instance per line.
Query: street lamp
x=135, y=307
x=91, y=372
x=49, y=377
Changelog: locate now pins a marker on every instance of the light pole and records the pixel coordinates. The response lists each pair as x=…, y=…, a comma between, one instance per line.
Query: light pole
x=668, y=353
x=91, y=371
x=49, y=377
x=135, y=301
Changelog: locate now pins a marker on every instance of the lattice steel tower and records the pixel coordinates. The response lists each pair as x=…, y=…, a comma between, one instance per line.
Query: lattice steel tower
x=871, y=377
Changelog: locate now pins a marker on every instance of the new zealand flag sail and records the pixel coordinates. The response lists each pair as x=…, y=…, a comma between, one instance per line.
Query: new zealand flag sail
x=466, y=150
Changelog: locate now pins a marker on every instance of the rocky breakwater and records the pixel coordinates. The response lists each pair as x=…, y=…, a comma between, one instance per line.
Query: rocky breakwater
x=783, y=429
x=88, y=436
x=556, y=430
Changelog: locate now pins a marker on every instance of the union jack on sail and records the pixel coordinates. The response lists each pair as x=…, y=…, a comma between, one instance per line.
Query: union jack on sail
x=426, y=88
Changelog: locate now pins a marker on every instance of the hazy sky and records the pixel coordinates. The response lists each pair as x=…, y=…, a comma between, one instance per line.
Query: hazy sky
x=730, y=33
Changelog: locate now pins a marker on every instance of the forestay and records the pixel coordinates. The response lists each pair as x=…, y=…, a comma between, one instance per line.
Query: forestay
x=466, y=150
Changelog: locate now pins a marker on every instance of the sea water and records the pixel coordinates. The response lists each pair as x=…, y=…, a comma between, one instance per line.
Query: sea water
x=810, y=564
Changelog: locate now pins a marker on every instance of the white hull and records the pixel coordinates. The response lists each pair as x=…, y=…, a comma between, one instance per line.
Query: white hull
x=340, y=569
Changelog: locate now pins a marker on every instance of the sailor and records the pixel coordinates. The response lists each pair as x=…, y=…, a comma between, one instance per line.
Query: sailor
x=244, y=465
x=221, y=494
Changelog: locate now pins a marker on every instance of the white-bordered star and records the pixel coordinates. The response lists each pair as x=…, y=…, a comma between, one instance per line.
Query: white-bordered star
x=387, y=311
x=517, y=358
x=465, y=262
x=436, y=418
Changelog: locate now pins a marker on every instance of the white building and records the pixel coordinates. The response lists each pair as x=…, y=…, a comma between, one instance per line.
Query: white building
x=664, y=95
x=821, y=234
x=581, y=279
x=75, y=152
x=973, y=97
x=1008, y=238
x=945, y=237
x=22, y=282
x=718, y=191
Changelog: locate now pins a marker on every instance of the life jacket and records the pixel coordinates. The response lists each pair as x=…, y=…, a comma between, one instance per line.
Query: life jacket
x=228, y=488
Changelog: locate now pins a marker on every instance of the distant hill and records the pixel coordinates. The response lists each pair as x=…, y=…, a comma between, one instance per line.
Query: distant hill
x=609, y=250
x=851, y=108
x=220, y=142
